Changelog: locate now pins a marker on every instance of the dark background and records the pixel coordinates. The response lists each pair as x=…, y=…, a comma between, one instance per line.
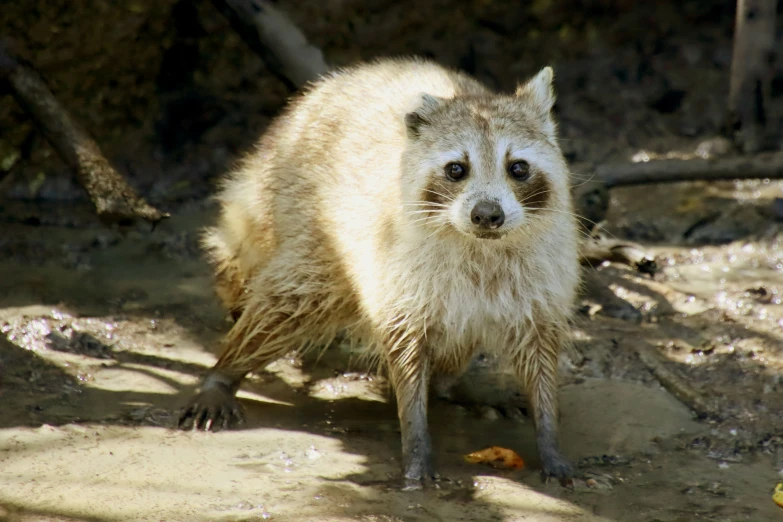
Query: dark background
x=173, y=95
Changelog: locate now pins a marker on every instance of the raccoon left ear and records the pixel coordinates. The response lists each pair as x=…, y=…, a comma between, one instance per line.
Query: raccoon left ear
x=539, y=90
x=420, y=117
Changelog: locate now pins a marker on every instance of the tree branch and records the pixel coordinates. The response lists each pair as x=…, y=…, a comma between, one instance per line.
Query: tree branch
x=280, y=43
x=114, y=200
x=767, y=165
x=750, y=85
x=591, y=198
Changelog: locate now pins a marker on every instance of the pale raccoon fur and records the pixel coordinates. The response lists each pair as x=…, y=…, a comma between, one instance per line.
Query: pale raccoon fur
x=411, y=207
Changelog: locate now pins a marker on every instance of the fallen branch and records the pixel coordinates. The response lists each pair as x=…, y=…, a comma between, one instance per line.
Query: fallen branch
x=677, y=386
x=271, y=34
x=114, y=200
x=595, y=251
x=591, y=197
x=760, y=166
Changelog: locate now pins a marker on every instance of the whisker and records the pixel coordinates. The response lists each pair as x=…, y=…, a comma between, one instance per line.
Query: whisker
x=574, y=214
x=444, y=196
x=424, y=204
x=421, y=220
x=609, y=234
x=531, y=196
x=424, y=209
x=436, y=231
x=586, y=180
x=441, y=211
x=419, y=225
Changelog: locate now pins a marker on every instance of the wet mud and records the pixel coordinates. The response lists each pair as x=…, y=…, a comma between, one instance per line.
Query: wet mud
x=99, y=349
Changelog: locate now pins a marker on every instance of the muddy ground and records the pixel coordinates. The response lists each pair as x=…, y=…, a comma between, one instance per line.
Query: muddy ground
x=104, y=334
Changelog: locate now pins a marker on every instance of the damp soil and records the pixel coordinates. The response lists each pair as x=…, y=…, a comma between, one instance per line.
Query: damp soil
x=104, y=333
x=104, y=337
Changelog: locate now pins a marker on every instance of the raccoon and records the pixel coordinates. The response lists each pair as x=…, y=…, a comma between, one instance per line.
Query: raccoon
x=410, y=208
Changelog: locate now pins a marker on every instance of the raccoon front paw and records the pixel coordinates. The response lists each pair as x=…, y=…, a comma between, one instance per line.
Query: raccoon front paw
x=555, y=466
x=418, y=472
x=213, y=409
x=417, y=482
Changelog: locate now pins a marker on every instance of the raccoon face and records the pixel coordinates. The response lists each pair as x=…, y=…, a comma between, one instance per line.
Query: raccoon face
x=486, y=167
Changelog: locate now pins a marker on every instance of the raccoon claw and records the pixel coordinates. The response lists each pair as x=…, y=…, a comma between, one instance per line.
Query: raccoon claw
x=505, y=411
x=418, y=483
x=414, y=479
x=413, y=485
x=212, y=410
x=558, y=468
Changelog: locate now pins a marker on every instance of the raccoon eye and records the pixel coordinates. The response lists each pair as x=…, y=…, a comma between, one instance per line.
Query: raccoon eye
x=519, y=170
x=456, y=171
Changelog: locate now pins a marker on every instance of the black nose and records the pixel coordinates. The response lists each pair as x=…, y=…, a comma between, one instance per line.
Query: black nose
x=487, y=214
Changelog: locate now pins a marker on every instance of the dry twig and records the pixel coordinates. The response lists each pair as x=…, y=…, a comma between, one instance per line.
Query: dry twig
x=115, y=201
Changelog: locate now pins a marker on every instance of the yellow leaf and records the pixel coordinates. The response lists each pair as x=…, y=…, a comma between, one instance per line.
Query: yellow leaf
x=690, y=204
x=497, y=457
x=778, y=495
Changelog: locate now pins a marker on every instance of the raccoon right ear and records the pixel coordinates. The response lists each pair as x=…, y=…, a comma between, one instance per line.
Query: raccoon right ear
x=416, y=119
x=539, y=90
